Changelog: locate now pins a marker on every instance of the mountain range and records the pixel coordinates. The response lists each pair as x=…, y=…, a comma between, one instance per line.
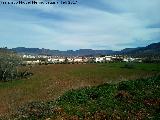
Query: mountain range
x=152, y=50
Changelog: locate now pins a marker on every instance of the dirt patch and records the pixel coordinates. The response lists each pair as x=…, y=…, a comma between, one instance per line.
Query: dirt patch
x=152, y=102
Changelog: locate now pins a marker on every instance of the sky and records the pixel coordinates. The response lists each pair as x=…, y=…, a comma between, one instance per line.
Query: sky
x=88, y=24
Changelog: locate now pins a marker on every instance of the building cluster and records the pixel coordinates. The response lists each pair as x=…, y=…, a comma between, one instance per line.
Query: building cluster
x=43, y=59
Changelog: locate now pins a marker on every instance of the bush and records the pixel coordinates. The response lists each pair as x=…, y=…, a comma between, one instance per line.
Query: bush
x=129, y=66
x=9, y=63
x=35, y=111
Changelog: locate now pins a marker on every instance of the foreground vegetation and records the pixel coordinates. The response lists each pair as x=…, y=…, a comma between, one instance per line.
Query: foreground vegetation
x=51, y=81
x=9, y=66
x=135, y=99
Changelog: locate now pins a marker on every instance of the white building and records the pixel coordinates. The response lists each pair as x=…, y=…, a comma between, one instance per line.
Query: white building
x=100, y=59
x=61, y=60
x=70, y=60
x=32, y=62
x=79, y=59
x=28, y=56
x=108, y=58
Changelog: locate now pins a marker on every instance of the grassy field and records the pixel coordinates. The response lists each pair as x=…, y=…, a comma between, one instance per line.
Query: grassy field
x=49, y=82
x=132, y=100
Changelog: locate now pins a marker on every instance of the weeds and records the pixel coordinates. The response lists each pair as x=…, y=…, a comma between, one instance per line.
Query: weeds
x=129, y=99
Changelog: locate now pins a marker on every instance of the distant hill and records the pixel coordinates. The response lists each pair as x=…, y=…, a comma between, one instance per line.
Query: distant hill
x=5, y=51
x=150, y=50
x=81, y=52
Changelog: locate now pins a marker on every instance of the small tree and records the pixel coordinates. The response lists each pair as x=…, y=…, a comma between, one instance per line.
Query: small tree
x=9, y=62
x=66, y=60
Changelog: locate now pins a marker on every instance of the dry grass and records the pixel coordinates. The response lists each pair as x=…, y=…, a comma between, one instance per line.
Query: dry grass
x=51, y=81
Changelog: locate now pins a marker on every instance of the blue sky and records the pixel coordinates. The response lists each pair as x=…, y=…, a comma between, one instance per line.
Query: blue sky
x=92, y=24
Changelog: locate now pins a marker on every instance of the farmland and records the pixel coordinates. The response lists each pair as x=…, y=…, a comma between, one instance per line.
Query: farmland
x=49, y=82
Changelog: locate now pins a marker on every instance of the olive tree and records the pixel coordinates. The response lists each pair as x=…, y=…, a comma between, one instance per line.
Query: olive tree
x=9, y=62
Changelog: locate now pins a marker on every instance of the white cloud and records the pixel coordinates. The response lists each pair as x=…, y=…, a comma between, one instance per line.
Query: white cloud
x=80, y=26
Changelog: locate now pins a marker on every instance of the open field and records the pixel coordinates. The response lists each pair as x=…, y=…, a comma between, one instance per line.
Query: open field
x=51, y=81
x=127, y=100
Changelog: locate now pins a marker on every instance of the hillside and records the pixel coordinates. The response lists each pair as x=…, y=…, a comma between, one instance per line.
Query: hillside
x=80, y=52
x=4, y=51
x=135, y=99
x=150, y=50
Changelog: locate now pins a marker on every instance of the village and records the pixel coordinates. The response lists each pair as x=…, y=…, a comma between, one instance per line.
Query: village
x=43, y=59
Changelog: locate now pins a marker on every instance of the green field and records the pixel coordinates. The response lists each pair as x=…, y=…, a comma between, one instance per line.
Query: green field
x=49, y=82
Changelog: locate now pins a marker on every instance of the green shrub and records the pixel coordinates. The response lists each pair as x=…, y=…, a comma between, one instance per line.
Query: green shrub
x=9, y=63
x=129, y=66
x=35, y=111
